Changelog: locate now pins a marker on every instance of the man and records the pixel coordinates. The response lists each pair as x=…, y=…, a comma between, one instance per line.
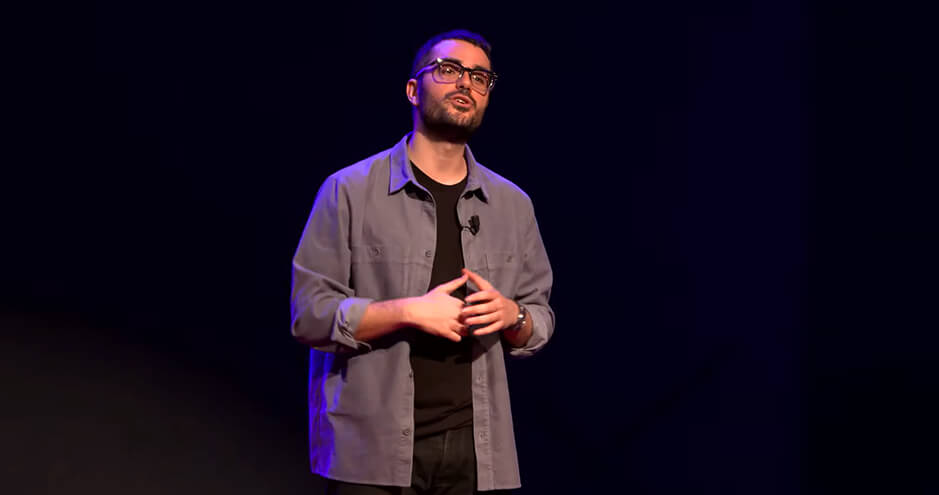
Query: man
x=407, y=373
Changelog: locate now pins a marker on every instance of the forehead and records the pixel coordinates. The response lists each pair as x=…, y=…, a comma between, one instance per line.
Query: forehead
x=465, y=52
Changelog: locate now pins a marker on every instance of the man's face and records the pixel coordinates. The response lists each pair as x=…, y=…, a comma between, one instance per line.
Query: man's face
x=452, y=109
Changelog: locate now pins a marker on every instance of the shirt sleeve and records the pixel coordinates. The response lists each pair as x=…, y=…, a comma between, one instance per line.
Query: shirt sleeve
x=534, y=288
x=324, y=310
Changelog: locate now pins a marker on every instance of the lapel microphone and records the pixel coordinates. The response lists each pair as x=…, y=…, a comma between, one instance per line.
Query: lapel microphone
x=473, y=224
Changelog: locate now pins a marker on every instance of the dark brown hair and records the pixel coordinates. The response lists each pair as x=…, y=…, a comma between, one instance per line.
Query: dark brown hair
x=423, y=54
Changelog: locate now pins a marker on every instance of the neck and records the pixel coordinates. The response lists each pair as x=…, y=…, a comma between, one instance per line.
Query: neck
x=442, y=160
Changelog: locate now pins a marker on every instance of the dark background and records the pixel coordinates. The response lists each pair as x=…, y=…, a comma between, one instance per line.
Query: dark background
x=735, y=198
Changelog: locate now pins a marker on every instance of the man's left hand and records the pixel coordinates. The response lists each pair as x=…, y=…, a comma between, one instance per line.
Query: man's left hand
x=487, y=307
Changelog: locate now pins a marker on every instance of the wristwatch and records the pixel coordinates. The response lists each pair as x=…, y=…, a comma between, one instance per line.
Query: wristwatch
x=520, y=319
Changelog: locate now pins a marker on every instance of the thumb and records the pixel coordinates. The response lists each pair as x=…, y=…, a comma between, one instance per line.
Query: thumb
x=480, y=282
x=452, y=285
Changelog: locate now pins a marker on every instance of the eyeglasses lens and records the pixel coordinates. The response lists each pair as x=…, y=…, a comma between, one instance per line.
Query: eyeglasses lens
x=450, y=72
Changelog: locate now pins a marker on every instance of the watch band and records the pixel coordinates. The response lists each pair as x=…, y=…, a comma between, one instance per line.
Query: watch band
x=521, y=318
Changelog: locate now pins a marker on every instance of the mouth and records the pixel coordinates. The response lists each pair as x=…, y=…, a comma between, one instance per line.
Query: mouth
x=461, y=100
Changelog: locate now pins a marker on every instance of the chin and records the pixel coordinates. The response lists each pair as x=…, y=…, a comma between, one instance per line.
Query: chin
x=468, y=120
x=452, y=125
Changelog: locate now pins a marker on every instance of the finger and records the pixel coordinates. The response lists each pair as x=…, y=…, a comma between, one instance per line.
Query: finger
x=483, y=295
x=461, y=329
x=494, y=327
x=478, y=309
x=482, y=319
x=451, y=335
x=452, y=285
x=476, y=279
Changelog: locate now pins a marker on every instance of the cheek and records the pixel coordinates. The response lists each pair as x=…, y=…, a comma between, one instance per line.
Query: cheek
x=426, y=96
x=422, y=98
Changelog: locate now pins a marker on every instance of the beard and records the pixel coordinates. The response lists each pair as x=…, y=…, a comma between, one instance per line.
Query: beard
x=446, y=122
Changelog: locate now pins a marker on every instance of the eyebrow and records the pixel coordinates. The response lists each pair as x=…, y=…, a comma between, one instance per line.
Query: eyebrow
x=477, y=67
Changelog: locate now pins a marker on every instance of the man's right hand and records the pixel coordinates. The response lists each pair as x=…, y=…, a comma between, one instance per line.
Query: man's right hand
x=437, y=312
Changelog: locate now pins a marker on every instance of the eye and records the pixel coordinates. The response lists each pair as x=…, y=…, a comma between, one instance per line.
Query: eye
x=480, y=77
x=448, y=69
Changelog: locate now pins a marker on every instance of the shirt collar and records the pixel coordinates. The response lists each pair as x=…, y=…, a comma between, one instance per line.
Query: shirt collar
x=401, y=172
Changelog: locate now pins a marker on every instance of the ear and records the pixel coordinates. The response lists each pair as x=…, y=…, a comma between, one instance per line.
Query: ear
x=411, y=91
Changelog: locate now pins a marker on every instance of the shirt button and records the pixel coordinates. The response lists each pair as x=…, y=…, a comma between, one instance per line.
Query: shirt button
x=406, y=432
x=410, y=374
x=479, y=380
x=428, y=253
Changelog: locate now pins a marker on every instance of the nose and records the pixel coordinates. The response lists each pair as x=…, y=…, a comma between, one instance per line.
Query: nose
x=464, y=80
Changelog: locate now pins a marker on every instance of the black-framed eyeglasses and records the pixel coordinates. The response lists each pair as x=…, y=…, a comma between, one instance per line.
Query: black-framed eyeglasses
x=449, y=71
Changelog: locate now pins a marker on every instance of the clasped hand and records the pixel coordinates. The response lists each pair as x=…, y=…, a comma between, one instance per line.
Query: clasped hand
x=441, y=314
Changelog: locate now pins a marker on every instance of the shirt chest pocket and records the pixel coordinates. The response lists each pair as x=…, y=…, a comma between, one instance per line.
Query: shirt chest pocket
x=503, y=269
x=380, y=271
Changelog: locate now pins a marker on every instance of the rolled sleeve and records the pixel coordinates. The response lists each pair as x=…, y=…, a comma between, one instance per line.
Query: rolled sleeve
x=324, y=310
x=347, y=319
x=535, y=290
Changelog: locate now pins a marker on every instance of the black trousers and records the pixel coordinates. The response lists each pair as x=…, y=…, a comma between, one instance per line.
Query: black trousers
x=444, y=464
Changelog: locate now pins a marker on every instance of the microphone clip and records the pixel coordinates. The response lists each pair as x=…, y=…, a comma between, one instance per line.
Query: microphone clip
x=474, y=224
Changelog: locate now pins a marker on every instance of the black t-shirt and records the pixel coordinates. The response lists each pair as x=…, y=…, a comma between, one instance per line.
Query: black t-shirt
x=443, y=397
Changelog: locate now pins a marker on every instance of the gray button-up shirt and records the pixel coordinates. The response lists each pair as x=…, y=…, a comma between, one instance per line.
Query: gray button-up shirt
x=371, y=236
